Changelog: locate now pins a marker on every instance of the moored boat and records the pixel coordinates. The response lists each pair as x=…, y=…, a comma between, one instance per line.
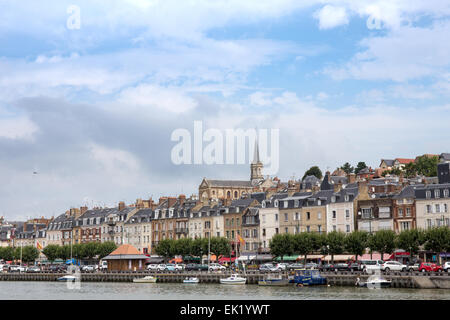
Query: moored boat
x=308, y=277
x=67, y=278
x=374, y=282
x=192, y=280
x=147, y=279
x=233, y=279
x=273, y=280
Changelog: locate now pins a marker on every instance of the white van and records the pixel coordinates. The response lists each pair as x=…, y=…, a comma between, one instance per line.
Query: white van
x=103, y=265
x=371, y=265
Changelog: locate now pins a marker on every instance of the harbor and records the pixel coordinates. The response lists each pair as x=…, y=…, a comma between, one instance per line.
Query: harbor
x=414, y=280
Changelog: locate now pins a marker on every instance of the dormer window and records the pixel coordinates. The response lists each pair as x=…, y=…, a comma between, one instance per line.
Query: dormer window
x=347, y=198
x=428, y=194
x=263, y=204
x=437, y=193
x=333, y=199
x=446, y=193
x=276, y=204
x=297, y=203
x=319, y=202
x=286, y=204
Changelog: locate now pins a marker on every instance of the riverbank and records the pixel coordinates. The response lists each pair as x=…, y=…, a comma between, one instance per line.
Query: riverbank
x=415, y=280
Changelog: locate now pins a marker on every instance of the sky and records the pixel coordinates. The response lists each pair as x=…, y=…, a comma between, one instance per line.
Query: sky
x=91, y=91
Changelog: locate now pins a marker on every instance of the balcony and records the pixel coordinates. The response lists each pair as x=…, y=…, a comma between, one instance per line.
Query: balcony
x=182, y=230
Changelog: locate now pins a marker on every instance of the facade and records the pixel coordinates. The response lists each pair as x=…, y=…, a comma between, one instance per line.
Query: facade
x=404, y=209
x=250, y=230
x=314, y=212
x=290, y=209
x=139, y=229
x=269, y=217
x=341, y=210
x=432, y=206
x=126, y=258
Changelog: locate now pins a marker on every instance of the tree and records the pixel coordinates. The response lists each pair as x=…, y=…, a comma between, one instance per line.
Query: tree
x=281, y=245
x=437, y=240
x=383, y=241
x=8, y=254
x=64, y=252
x=427, y=166
x=105, y=249
x=166, y=248
x=183, y=246
x=313, y=171
x=410, y=170
x=360, y=166
x=29, y=254
x=335, y=241
x=356, y=243
x=51, y=252
x=199, y=247
x=91, y=249
x=347, y=168
x=410, y=240
x=304, y=244
x=220, y=246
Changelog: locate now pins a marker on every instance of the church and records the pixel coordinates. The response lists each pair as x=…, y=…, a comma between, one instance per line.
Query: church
x=235, y=189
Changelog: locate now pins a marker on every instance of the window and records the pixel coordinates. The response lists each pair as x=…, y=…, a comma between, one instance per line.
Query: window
x=297, y=203
x=276, y=231
x=446, y=193
x=437, y=193
x=297, y=229
x=264, y=218
x=308, y=228
x=297, y=216
x=308, y=215
x=428, y=208
x=276, y=203
x=346, y=197
x=367, y=213
x=319, y=228
x=285, y=204
x=276, y=216
x=348, y=228
x=264, y=233
x=235, y=194
x=428, y=194
x=319, y=202
x=400, y=212
x=286, y=230
x=333, y=199
x=319, y=215
x=445, y=207
x=334, y=228
x=286, y=217
x=408, y=212
x=347, y=213
x=334, y=214
x=438, y=208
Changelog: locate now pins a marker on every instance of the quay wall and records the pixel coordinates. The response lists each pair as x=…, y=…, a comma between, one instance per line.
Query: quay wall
x=399, y=280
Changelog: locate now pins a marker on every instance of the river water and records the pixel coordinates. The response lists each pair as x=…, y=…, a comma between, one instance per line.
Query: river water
x=29, y=290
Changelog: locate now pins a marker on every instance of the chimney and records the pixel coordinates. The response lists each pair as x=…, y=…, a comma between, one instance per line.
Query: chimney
x=83, y=210
x=337, y=187
x=121, y=205
x=162, y=199
x=172, y=201
x=139, y=204
x=352, y=178
x=182, y=198
x=363, y=188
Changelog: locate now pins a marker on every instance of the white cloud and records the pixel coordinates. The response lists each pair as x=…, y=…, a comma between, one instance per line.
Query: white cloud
x=330, y=16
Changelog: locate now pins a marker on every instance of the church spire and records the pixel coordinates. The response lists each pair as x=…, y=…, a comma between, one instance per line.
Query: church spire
x=256, y=152
x=256, y=166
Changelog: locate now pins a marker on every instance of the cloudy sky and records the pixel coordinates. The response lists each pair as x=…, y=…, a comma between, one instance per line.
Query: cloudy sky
x=92, y=109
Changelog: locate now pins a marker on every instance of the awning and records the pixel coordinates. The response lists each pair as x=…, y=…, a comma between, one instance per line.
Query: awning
x=176, y=260
x=246, y=258
x=287, y=258
x=264, y=257
x=191, y=258
x=445, y=255
x=225, y=259
x=312, y=256
x=340, y=257
x=375, y=256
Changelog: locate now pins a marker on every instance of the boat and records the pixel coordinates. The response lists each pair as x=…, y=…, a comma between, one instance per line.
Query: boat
x=233, y=279
x=192, y=280
x=67, y=278
x=147, y=279
x=308, y=277
x=374, y=282
x=273, y=280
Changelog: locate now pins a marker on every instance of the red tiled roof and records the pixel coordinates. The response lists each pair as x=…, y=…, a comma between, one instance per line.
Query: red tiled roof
x=125, y=249
x=404, y=161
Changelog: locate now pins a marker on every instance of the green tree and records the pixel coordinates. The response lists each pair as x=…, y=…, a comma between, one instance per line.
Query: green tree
x=220, y=246
x=347, y=168
x=304, y=244
x=281, y=245
x=336, y=242
x=360, y=166
x=199, y=247
x=78, y=251
x=29, y=254
x=8, y=254
x=51, y=252
x=437, y=240
x=105, y=249
x=64, y=252
x=410, y=170
x=410, y=240
x=166, y=248
x=427, y=166
x=313, y=171
x=91, y=250
x=183, y=246
x=382, y=241
x=356, y=243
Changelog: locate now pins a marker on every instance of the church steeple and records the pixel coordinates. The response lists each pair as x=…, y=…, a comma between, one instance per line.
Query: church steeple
x=256, y=166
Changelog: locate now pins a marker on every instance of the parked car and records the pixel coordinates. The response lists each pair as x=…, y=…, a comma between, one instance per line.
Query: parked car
x=89, y=268
x=216, y=267
x=196, y=267
x=17, y=268
x=311, y=265
x=354, y=266
x=371, y=265
x=341, y=267
x=281, y=266
x=429, y=267
x=393, y=266
x=295, y=266
x=413, y=267
x=161, y=267
x=174, y=267
x=152, y=267
x=326, y=267
x=103, y=265
x=34, y=269
x=268, y=267
x=446, y=266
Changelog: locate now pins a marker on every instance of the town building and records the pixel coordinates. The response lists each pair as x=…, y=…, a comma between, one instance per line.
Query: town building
x=404, y=209
x=269, y=217
x=432, y=206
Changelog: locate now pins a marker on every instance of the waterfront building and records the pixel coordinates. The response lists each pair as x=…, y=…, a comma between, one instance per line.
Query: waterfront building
x=250, y=230
x=313, y=216
x=113, y=225
x=269, y=219
x=139, y=230
x=59, y=230
x=374, y=210
x=126, y=258
x=432, y=205
x=404, y=209
x=341, y=209
x=195, y=222
x=290, y=210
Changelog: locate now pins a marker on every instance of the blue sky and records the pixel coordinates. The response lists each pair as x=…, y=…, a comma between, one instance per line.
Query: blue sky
x=92, y=109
